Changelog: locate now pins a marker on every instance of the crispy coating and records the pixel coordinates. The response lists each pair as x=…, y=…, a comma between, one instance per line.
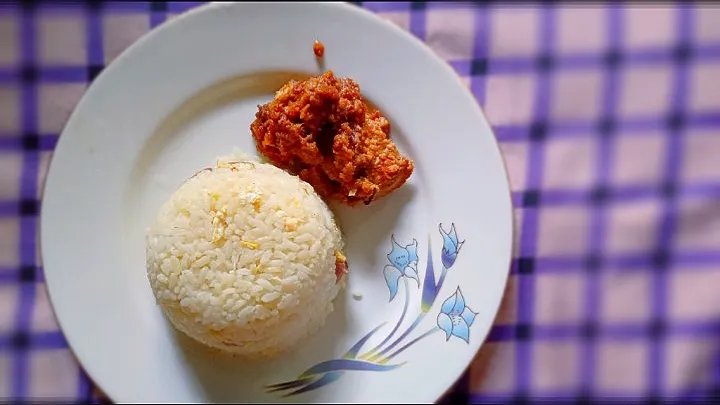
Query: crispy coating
x=322, y=130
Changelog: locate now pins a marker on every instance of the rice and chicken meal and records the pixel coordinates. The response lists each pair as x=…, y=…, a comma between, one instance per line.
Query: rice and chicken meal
x=245, y=256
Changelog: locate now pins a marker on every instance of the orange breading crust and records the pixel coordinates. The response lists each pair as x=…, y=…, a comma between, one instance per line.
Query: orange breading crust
x=322, y=130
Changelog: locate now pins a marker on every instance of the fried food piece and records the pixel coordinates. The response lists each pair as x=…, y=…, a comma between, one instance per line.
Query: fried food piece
x=318, y=49
x=322, y=130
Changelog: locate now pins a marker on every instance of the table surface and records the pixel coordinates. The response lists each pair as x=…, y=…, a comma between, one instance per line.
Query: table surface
x=608, y=118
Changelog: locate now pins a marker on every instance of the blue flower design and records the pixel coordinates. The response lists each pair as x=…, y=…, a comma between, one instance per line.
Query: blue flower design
x=451, y=246
x=455, y=318
x=403, y=263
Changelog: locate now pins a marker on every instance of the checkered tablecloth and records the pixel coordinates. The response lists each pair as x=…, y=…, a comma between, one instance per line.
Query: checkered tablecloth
x=609, y=120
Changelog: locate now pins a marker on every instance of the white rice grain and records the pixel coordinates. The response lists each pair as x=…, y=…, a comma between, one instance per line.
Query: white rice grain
x=229, y=271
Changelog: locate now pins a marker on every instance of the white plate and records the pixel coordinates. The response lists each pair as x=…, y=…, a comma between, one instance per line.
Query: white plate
x=185, y=94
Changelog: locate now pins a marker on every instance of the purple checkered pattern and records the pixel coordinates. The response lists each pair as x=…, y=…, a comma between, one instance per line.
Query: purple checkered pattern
x=609, y=121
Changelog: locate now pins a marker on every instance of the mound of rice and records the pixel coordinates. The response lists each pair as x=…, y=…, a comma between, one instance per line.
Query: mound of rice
x=243, y=258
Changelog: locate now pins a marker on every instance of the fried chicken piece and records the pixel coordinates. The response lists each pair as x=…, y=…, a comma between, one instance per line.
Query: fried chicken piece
x=322, y=130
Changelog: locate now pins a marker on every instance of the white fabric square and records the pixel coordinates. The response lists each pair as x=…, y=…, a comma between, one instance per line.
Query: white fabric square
x=10, y=34
x=10, y=102
x=581, y=29
x=625, y=295
x=702, y=303
x=563, y=231
x=509, y=98
x=700, y=152
x=645, y=91
x=622, y=367
x=10, y=242
x=493, y=371
x=559, y=298
x=707, y=29
x=451, y=33
x=649, y=26
x=632, y=226
x=689, y=362
x=555, y=366
x=11, y=164
x=705, y=87
x=627, y=169
x=569, y=162
x=8, y=305
x=698, y=226
x=54, y=374
x=514, y=32
x=62, y=39
x=576, y=95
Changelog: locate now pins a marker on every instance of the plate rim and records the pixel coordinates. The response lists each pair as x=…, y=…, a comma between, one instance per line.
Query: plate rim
x=409, y=37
